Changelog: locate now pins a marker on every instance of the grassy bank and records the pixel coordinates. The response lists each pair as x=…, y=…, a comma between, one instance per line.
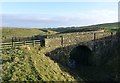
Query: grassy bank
x=30, y=64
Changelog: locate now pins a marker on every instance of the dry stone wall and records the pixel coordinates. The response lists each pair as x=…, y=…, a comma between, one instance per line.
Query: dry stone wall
x=76, y=38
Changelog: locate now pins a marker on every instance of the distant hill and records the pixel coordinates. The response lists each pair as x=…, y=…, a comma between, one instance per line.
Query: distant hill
x=106, y=26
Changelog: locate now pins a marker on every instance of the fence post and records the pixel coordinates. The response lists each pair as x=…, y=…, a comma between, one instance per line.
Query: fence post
x=111, y=34
x=94, y=35
x=62, y=40
x=12, y=42
x=24, y=42
x=33, y=42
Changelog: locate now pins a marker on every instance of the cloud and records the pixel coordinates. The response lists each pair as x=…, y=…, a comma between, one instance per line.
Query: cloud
x=73, y=19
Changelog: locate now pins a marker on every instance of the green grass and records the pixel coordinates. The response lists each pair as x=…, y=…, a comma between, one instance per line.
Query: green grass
x=30, y=64
x=8, y=33
x=49, y=70
x=17, y=66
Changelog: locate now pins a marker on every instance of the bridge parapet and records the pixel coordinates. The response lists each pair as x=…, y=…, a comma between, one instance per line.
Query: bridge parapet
x=75, y=38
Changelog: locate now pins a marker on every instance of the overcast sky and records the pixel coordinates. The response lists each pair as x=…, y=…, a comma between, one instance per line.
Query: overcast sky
x=57, y=14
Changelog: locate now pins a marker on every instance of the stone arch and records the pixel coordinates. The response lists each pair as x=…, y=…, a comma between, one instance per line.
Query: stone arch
x=80, y=56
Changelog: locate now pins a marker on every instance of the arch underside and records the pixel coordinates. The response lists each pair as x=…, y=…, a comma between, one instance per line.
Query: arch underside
x=80, y=56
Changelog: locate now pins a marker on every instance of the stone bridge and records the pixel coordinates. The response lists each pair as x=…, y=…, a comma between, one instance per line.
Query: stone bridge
x=86, y=46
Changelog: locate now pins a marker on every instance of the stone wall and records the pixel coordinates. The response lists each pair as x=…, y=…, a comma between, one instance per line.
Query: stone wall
x=53, y=42
x=75, y=38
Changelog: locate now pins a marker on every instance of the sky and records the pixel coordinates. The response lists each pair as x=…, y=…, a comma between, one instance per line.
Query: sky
x=57, y=14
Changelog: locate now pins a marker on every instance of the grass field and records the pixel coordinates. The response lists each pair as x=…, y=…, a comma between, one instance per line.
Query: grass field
x=8, y=33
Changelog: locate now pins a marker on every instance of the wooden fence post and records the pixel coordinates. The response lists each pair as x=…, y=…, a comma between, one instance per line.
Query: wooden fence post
x=111, y=34
x=33, y=42
x=94, y=35
x=62, y=40
x=24, y=42
x=12, y=42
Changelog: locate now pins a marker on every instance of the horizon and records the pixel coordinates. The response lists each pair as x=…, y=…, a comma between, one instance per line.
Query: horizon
x=58, y=14
x=56, y=27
